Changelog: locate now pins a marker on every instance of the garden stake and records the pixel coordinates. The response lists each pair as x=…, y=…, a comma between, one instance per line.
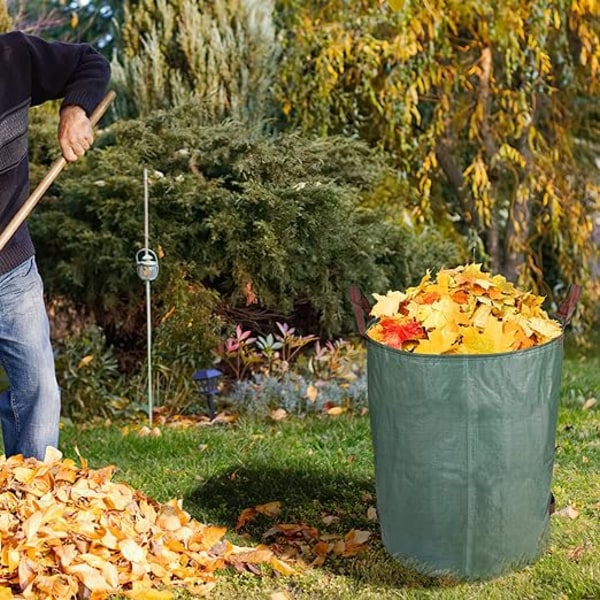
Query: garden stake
x=57, y=166
x=147, y=270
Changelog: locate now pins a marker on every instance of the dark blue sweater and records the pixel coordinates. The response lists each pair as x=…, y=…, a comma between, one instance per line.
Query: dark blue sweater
x=33, y=71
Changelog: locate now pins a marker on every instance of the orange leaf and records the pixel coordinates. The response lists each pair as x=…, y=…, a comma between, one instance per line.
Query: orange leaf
x=247, y=515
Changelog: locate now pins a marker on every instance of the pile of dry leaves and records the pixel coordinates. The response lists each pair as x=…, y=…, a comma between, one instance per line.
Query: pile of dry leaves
x=68, y=531
x=462, y=311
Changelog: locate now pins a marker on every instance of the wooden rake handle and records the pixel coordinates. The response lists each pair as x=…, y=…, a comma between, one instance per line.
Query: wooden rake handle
x=57, y=166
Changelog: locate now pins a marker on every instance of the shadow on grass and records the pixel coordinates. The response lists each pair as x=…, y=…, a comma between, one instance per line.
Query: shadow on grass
x=306, y=497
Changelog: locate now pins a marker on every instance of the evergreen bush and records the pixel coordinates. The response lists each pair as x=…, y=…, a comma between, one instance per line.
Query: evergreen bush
x=269, y=227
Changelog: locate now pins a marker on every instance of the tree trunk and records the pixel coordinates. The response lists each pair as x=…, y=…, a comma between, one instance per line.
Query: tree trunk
x=519, y=220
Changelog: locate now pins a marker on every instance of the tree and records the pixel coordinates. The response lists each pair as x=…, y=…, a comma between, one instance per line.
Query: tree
x=484, y=104
x=220, y=53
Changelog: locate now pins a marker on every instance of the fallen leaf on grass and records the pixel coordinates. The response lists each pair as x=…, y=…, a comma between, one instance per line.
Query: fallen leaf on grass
x=576, y=553
x=282, y=567
x=568, y=511
x=355, y=540
x=329, y=519
x=589, y=403
x=309, y=544
x=146, y=431
x=270, y=509
x=185, y=421
x=278, y=414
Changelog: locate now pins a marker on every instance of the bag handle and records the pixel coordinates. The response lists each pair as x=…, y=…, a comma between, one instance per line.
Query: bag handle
x=361, y=307
x=567, y=307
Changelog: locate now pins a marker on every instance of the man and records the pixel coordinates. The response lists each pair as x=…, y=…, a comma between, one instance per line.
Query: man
x=33, y=71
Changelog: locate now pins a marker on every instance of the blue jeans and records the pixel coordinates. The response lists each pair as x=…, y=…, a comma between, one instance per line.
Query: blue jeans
x=30, y=410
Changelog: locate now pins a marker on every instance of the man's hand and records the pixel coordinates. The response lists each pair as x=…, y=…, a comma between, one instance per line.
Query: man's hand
x=75, y=133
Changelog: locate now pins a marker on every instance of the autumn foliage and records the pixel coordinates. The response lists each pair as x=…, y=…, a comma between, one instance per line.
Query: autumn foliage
x=462, y=311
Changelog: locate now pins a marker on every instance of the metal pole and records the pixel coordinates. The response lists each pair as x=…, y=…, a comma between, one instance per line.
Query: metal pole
x=149, y=328
x=146, y=218
x=148, y=303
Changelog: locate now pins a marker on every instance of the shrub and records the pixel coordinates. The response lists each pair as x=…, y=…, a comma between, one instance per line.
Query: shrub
x=89, y=377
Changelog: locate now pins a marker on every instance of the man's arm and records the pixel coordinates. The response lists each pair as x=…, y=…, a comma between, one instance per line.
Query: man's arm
x=79, y=75
x=76, y=73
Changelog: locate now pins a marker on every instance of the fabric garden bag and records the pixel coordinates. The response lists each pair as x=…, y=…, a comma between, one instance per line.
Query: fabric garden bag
x=464, y=453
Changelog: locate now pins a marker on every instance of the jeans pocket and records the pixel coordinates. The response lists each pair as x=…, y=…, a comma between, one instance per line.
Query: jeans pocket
x=20, y=286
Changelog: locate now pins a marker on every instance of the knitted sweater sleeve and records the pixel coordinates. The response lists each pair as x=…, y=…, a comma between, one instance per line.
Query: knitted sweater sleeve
x=74, y=72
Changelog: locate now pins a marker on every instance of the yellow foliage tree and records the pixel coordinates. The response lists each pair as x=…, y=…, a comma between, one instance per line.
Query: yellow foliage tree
x=490, y=109
x=5, y=20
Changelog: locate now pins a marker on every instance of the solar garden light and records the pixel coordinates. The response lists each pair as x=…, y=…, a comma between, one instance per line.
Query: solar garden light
x=147, y=270
x=208, y=380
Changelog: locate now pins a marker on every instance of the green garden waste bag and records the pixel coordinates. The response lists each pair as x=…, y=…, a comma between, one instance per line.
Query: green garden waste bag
x=464, y=453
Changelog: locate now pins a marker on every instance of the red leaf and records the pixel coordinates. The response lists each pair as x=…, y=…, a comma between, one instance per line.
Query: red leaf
x=395, y=333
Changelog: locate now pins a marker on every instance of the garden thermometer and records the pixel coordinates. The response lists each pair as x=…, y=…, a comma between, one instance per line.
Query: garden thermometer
x=147, y=270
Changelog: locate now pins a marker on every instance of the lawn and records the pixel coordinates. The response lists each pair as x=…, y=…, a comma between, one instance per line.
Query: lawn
x=320, y=468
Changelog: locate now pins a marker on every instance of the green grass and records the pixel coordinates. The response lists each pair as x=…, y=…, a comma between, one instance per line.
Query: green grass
x=324, y=465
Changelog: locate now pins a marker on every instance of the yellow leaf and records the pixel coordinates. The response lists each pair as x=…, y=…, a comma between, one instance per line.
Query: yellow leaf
x=357, y=537
x=86, y=360
x=442, y=313
x=52, y=455
x=262, y=554
x=132, y=551
x=24, y=475
x=547, y=329
x=27, y=571
x=247, y=515
x=31, y=526
x=282, y=567
x=387, y=305
x=568, y=511
x=211, y=534
x=271, y=509
x=440, y=341
x=90, y=577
